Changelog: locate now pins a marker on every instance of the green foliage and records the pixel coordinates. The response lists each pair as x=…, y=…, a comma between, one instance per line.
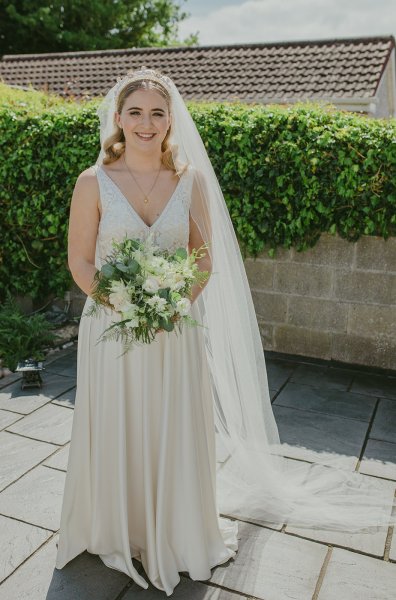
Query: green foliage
x=21, y=336
x=75, y=25
x=287, y=174
x=27, y=101
x=42, y=152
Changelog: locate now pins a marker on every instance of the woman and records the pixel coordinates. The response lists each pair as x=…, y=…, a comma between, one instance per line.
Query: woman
x=177, y=431
x=141, y=473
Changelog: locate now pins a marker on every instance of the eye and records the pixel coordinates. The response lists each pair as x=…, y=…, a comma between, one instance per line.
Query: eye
x=136, y=112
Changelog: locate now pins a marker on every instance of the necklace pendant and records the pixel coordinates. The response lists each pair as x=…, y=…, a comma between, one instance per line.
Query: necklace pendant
x=146, y=199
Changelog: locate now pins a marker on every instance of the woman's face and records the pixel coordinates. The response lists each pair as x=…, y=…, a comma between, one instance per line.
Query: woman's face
x=144, y=112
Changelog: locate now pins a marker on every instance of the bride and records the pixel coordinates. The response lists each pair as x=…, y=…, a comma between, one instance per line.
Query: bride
x=176, y=441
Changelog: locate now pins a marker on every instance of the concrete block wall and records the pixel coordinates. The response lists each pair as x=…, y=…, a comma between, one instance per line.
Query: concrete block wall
x=336, y=300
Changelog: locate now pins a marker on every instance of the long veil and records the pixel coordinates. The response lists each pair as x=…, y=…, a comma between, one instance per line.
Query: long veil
x=255, y=480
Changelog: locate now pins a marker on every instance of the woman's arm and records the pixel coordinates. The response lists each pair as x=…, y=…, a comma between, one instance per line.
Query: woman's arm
x=204, y=263
x=83, y=229
x=200, y=228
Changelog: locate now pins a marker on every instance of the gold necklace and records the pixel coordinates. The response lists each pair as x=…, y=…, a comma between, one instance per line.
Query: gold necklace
x=145, y=195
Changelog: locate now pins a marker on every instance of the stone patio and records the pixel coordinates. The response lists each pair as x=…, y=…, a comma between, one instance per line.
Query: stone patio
x=318, y=405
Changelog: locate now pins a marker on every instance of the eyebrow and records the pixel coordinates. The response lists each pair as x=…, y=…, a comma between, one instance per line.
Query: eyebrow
x=138, y=108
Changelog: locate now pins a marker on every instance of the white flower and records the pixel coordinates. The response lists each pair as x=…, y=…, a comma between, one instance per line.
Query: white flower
x=151, y=284
x=129, y=311
x=119, y=297
x=138, y=256
x=188, y=273
x=175, y=281
x=117, y=285
x=183, y=306
x=157, y=302
x=133, y=321
x=167, y=281
x=179, y=282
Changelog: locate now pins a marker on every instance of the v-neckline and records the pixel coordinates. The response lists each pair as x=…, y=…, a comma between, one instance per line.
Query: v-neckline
x=164, y=210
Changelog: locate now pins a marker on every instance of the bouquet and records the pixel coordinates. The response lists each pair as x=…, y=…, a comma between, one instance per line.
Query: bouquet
x=148, y=287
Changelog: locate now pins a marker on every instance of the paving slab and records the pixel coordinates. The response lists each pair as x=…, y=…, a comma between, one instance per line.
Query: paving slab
x=330, y=401
x=384, y=425
x=67, y=399
x=350, y=575
x=64, y=366
x=379, y=459
x=254, y=521
x=319, y=437
x=323, y=377
x=8, y=379
x=18, y=541
x=392, y=552
x=7, y=418
x=271, y=565
x=60, y=353
x=35, y=498
x=302, y=468
x=375, y=385
x=59, y=459
x=370, y=542
x=187, y=589
x=84, y=578
x=49, y=423
x=18, y=455
x=14, y=399
x=278, y=372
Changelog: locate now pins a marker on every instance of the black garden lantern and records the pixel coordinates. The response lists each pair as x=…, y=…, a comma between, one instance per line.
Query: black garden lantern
x=30, y=369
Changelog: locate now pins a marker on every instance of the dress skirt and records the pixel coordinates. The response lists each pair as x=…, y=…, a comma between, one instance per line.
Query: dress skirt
x=141, y=475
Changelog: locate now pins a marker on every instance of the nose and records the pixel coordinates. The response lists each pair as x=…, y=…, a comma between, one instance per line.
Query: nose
x=146, y=119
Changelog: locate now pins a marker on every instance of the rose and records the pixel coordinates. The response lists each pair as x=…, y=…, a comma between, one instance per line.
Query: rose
x=151, y=284
x=183, y=306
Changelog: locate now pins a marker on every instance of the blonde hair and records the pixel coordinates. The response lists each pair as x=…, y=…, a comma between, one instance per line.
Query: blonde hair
x=114, y=146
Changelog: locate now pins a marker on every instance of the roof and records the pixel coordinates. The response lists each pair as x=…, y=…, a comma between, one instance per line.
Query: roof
x=333, y=68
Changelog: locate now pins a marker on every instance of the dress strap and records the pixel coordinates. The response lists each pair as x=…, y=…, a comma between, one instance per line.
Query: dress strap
x=102, y=189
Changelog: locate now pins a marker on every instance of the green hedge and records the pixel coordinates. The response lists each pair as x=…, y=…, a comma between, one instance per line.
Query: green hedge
x=42, y=152
x=288, y=174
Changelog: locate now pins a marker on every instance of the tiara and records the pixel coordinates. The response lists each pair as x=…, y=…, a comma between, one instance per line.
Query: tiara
x=143, y=73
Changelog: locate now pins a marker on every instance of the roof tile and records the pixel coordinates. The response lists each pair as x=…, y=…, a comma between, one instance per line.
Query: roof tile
x=284, y=70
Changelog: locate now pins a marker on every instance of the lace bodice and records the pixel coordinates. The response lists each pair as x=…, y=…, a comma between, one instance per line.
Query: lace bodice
x=170, y=230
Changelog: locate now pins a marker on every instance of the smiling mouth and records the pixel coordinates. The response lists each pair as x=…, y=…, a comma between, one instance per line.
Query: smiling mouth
x=145, y=136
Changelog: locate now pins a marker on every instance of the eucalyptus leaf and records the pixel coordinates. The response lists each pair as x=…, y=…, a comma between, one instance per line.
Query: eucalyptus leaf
x=181, y=253
x=166, y=324
x=107, y=270
x=121, y=267
x=133, y=266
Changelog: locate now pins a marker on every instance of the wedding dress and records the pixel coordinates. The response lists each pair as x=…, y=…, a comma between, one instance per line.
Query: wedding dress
x=141, y=474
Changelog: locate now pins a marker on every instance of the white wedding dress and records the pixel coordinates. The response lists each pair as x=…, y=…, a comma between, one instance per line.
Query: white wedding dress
x=141, y=474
